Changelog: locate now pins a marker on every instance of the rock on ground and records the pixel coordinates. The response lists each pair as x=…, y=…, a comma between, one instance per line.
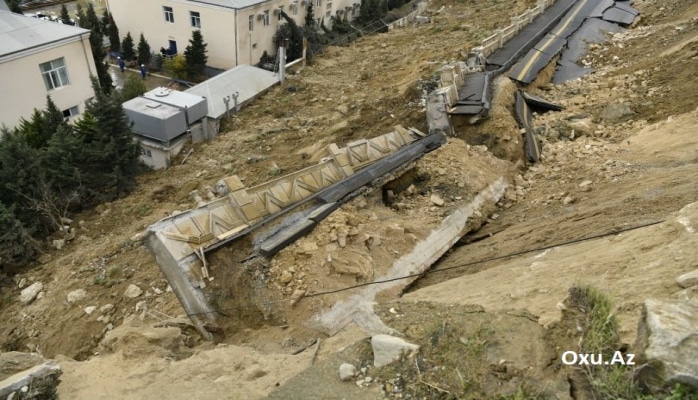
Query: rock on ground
x=668, y=330
x=347, y=371
x=688, y=279
x=76, y=295
x=28, y=294
x=387, y=349
x=133, y=291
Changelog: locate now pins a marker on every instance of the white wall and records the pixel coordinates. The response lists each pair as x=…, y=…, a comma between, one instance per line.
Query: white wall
x=220, y=27
x=23, y=88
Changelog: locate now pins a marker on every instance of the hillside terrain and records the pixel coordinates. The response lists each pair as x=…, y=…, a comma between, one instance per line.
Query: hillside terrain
x=623, y=153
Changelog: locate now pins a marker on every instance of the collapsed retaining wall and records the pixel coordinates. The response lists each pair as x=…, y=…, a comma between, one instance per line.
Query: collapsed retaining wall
x=180, y=243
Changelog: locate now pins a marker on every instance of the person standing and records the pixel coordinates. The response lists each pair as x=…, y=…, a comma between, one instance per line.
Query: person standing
x=143, y=71
x=122, y=64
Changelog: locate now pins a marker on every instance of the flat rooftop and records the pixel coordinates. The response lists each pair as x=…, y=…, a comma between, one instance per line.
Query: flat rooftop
x=19, y=32
x=151, y=108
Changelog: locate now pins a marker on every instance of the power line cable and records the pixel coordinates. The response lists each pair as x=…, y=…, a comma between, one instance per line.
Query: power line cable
x=510, y=255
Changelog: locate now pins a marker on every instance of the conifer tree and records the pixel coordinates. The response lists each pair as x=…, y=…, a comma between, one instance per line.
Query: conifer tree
x=13, y=5
x=16, y=248
x=118, y=158
x=96, y=43
x=310, y=16
x=292, y=32
x=127, y=48
x=143, y=51
x=91, y=20
x=80, y=16
x=65, y=17
x=195, y=55
x=113, y=33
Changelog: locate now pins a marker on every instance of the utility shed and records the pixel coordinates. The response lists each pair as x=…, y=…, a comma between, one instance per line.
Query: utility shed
x=244, y=81
x=155, y=120
x=195, y=107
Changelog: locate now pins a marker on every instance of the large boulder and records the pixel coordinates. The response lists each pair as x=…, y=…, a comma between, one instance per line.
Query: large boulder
x=387, y=349
x=668, y=332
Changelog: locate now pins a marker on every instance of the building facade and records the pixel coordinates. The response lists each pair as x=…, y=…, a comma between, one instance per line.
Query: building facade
x=237, y=31
x=40, y=58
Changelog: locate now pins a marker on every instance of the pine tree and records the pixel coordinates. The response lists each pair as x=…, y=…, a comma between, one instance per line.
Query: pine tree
x=127, y=48
x=80, y=16
x=310, y=16
x=14, y=6
x=38, y=129
x=19, y=172
x=105, y=21
x=16, y=247
x=92, y=21
x=65, y=17
x=195, y=55
x=292, y=32
x=96, y=43
x=113, y=33
x=118, y=159
x=143, y=51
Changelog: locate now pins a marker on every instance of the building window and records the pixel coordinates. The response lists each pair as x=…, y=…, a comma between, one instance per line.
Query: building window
x=328, y=14
x=251, y=19
x=71, y=112
x=146, y=152
x=266, y=18
x=195, y=19
x=329, y=5
x=169, y=14
x=319, y=22
x=318, y=3
x=279, y=13
x=55, y=74
x=294, y=8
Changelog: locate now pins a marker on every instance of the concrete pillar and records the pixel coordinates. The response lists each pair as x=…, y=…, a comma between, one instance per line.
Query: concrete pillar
x=446, y=76
x=516, y=23
x=542, y=4
x=282, y=63
x=463, y=70
x=529, y=15
x=457, y=75
x=500, y=38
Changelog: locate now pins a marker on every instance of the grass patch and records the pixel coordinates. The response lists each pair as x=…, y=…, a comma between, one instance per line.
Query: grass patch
x=601, y=336
x=114, y=271
x=450, y=364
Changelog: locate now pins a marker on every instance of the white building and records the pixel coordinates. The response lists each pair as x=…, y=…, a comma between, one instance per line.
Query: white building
x=39, y=58
x=237, y=31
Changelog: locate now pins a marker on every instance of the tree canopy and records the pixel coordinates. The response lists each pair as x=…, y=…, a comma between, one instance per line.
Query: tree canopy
x=143, y=51
x=127, y=48
x=50, y=169
x=195, y=55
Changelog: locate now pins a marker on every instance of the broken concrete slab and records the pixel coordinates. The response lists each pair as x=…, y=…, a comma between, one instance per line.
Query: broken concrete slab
x=388, y=349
